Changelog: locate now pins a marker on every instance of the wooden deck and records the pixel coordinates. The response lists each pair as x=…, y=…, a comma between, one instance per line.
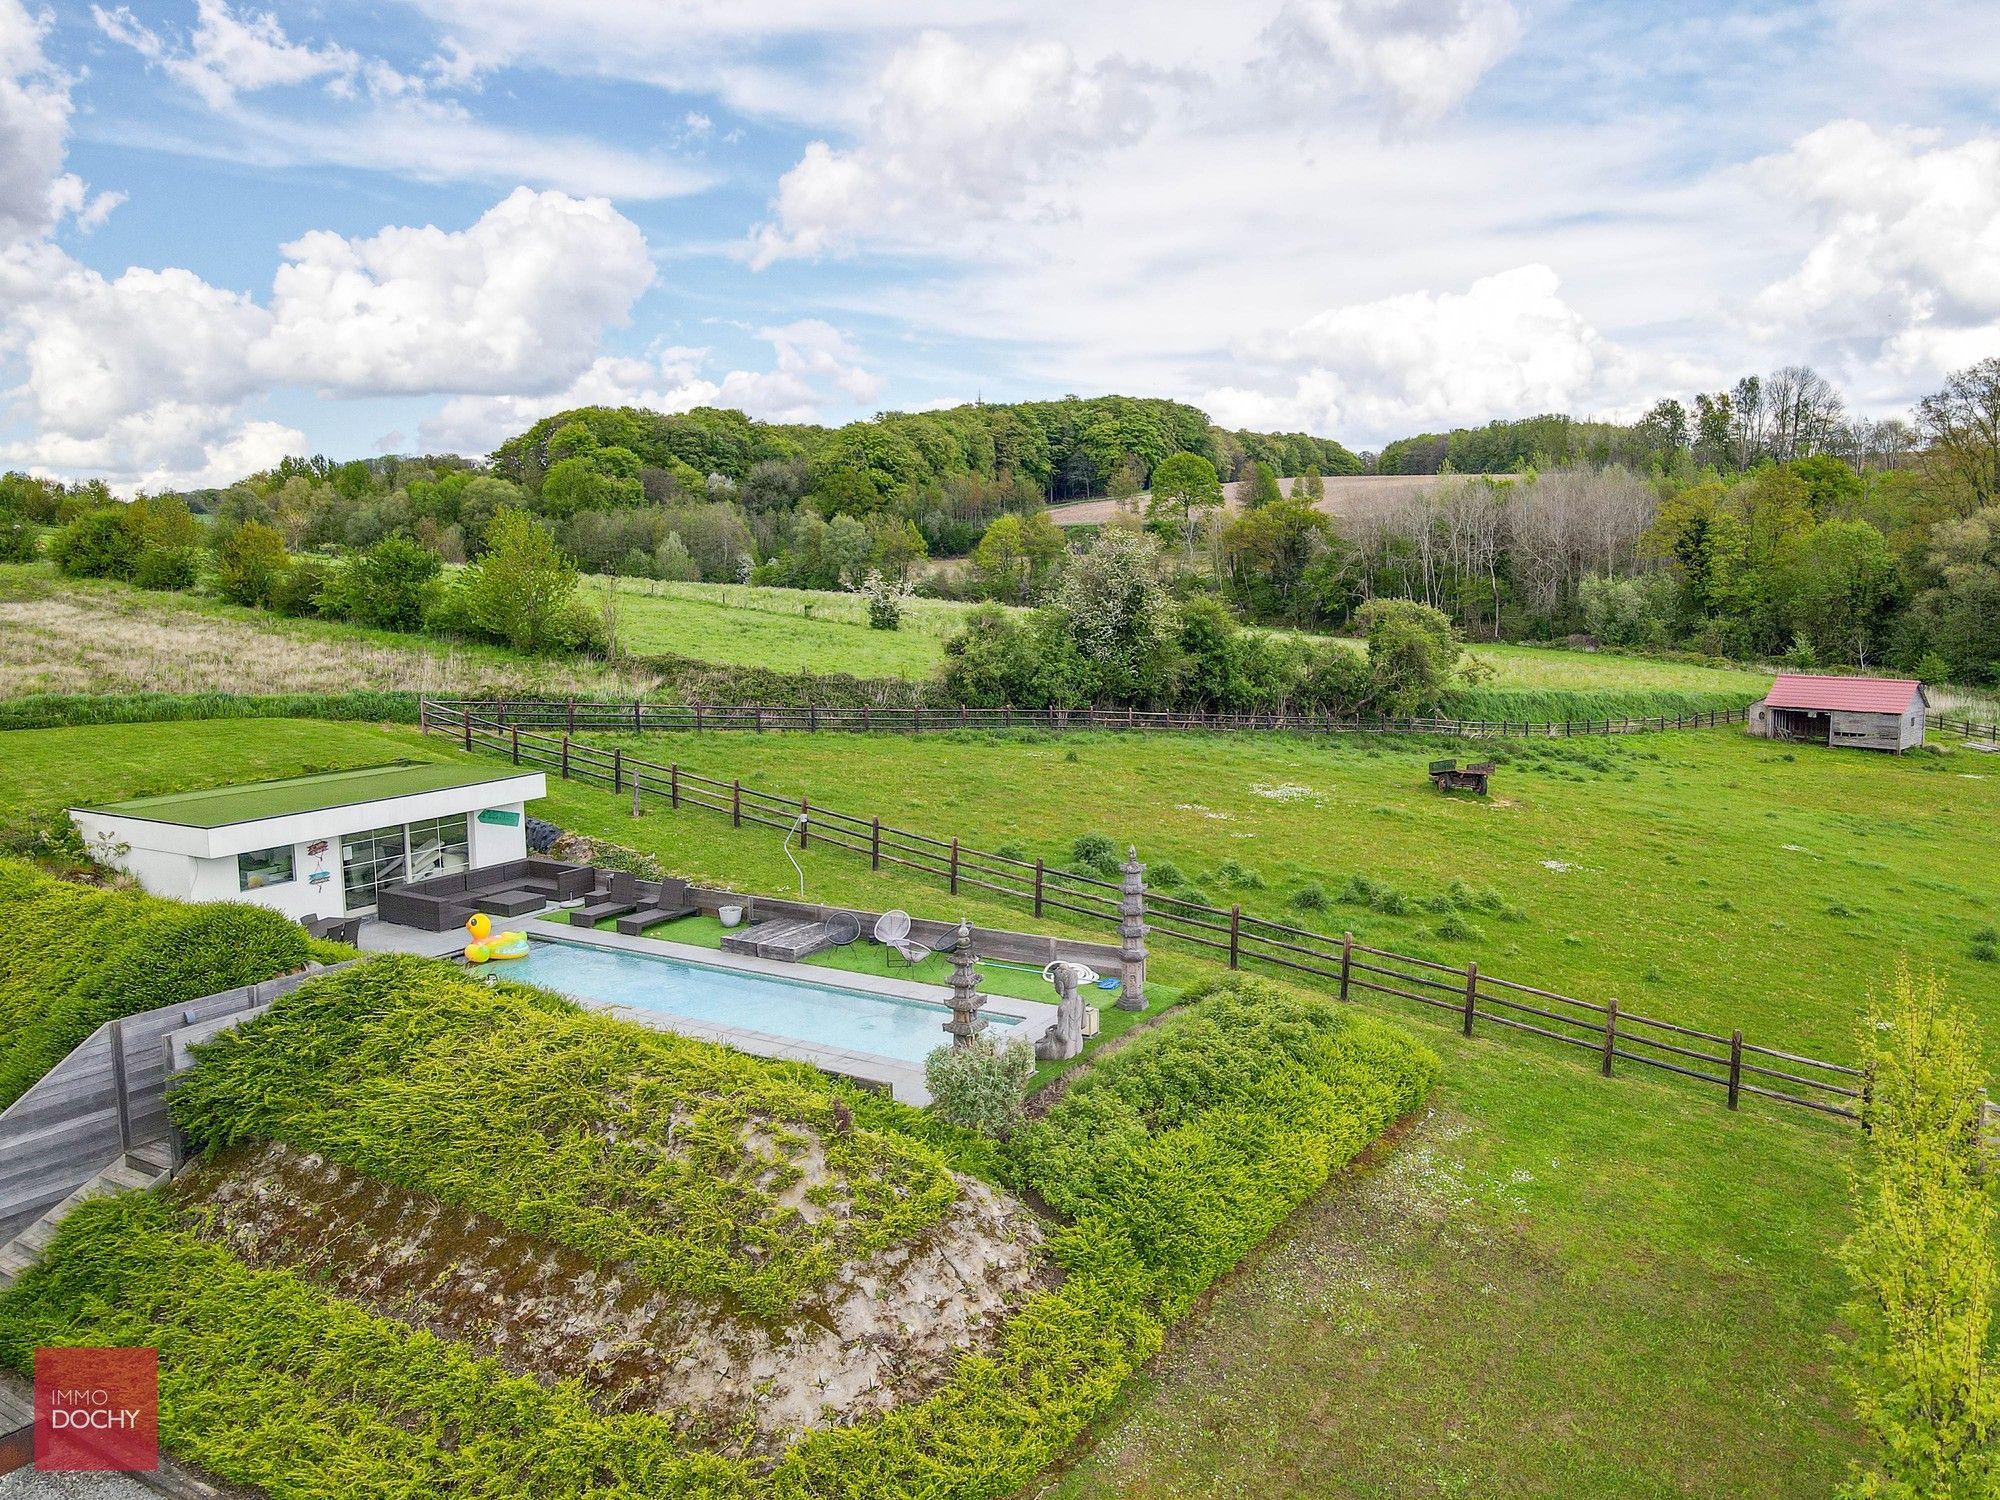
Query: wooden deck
x=789, y=938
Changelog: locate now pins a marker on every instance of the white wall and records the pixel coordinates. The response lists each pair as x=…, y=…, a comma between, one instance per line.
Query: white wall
x=495, y=843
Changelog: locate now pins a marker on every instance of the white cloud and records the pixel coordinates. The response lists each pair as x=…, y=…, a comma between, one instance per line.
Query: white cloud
x=1509, y=345
x=1417, y=58
x=955, y=135
x=388, y=120
x=1903, y=273
x=142, y=375
x=516, y=302
x=228, y=54
x=34, y=123
x=814, y=369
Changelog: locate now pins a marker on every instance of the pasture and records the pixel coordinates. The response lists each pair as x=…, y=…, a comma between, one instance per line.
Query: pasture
x=1549, y=1282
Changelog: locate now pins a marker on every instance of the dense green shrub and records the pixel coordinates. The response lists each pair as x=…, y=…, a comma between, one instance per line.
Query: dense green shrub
x=98, y=544
x=19, y=539
x=1169, y=1159
x=168, y=569
x=77, y=956
x=1173, y=1157
x=554, y=1121
x=981, y=1086
x=53, y=710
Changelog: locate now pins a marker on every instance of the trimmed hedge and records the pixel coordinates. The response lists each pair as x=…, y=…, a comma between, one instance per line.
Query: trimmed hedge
x=76, y=956
x=624, y=1143
x=1169, y=1159
x=60, y=710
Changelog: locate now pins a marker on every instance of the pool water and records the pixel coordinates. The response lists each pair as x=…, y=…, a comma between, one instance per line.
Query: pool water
x=823, y=1014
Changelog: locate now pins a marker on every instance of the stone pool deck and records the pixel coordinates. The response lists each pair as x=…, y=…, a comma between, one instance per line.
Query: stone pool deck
x=905, y=1079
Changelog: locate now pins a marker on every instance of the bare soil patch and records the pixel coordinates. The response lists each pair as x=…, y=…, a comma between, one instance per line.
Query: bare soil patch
x=888, y=1330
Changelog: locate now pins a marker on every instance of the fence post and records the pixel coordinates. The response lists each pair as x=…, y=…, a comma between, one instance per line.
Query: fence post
x=424, y=714
x=635, y=716
x=617, y=770
x=1346, y=961
x=1038, y=888
x=812, y=718
x=874, y=843
x=1132, y=933
x=865, y=724
x=468, y=728
x=1735, y=1067
x=697, y=716
x=760, y=718
x=637, y=811
x=118, y=1082
x=674, y=786
x=736, y=804
x=1610, y=1033
x=805, y=825
x=517, y=744
x=954, y=866
x=917, y=719
x=1471, y=994
x=569, y=725
x=565, y=763
x=1235, y=933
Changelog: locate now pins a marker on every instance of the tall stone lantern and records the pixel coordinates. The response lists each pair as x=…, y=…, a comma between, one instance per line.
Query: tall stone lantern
x=1132, y=933
x=966, y=1022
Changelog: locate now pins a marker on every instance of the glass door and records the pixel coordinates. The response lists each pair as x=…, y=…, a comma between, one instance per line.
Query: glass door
x=369, y=861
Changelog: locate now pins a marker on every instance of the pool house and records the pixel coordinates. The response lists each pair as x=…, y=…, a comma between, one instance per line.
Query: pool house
x=320, y=845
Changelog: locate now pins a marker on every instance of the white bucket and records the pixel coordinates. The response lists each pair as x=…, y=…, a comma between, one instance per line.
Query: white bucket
x=731, y=916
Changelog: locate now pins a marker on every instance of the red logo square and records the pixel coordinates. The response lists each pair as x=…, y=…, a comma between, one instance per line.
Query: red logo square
x=97, y=1409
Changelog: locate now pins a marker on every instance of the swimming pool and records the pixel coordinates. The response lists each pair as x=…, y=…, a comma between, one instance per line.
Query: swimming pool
x=822, y=1014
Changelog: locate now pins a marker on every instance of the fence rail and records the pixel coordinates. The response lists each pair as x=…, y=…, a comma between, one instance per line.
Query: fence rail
x=1612, y=1035
x=1966, y=729
x=637, y=717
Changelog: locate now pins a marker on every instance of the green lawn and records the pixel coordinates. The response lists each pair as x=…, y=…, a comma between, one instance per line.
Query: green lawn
x=1702, y=877
x=1554, y=1284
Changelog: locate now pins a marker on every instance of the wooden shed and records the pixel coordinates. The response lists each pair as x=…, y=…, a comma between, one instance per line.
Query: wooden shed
x=1860, y=713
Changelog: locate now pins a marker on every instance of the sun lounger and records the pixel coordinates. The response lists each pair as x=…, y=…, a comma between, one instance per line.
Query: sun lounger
x=621, y=895
x=667, y=904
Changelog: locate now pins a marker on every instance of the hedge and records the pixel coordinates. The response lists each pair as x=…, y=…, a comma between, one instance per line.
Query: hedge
x=60, y=710
x=1168, y=1160
x=624, y=1143
x=74, y=956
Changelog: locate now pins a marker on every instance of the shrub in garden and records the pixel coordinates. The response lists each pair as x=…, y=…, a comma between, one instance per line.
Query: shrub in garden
x=1097, y=854
x=77, y=956
x=18, y=539
x=981, y=1086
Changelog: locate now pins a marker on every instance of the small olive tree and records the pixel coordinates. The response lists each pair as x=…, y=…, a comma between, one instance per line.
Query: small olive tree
x=1922, y=1364
x=980, y=1086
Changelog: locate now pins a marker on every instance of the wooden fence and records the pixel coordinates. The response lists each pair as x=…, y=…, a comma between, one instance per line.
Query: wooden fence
x=107, y=1096
x=1966, y=729
x=1607, y=1033
x=637, y=717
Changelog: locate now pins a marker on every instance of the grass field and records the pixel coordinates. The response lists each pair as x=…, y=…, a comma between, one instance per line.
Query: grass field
x=1553, y=1284
x=66, y=636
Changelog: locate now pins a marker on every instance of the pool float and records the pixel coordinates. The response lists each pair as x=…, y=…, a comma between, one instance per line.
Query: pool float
x=487, y=944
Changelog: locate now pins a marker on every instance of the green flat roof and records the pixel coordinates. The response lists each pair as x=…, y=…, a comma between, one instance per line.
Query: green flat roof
x=247, y=802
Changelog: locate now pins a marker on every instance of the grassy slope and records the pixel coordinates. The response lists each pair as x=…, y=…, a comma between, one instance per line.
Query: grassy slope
x=1558, y=1285
x=61, y=635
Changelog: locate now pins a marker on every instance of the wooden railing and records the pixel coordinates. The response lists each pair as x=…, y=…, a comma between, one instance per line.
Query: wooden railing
x=636, y=716
x=1607, y=1032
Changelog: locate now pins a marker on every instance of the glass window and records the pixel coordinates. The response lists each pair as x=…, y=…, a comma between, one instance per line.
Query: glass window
x=369, y=861
x=438, y=846
x=265, y=867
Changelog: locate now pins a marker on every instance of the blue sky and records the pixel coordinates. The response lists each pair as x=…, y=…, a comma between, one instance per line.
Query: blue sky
x=229, y=231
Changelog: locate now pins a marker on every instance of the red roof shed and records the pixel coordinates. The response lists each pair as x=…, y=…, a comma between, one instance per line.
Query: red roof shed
x=1856, y=695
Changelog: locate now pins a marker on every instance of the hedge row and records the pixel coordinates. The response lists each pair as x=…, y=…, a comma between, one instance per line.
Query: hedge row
x=58, y=710
x=74, y=956
x=624, y=1143
x=1169, y=1160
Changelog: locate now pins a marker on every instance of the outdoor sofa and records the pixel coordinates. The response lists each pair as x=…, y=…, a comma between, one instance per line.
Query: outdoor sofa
x=509, y=889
